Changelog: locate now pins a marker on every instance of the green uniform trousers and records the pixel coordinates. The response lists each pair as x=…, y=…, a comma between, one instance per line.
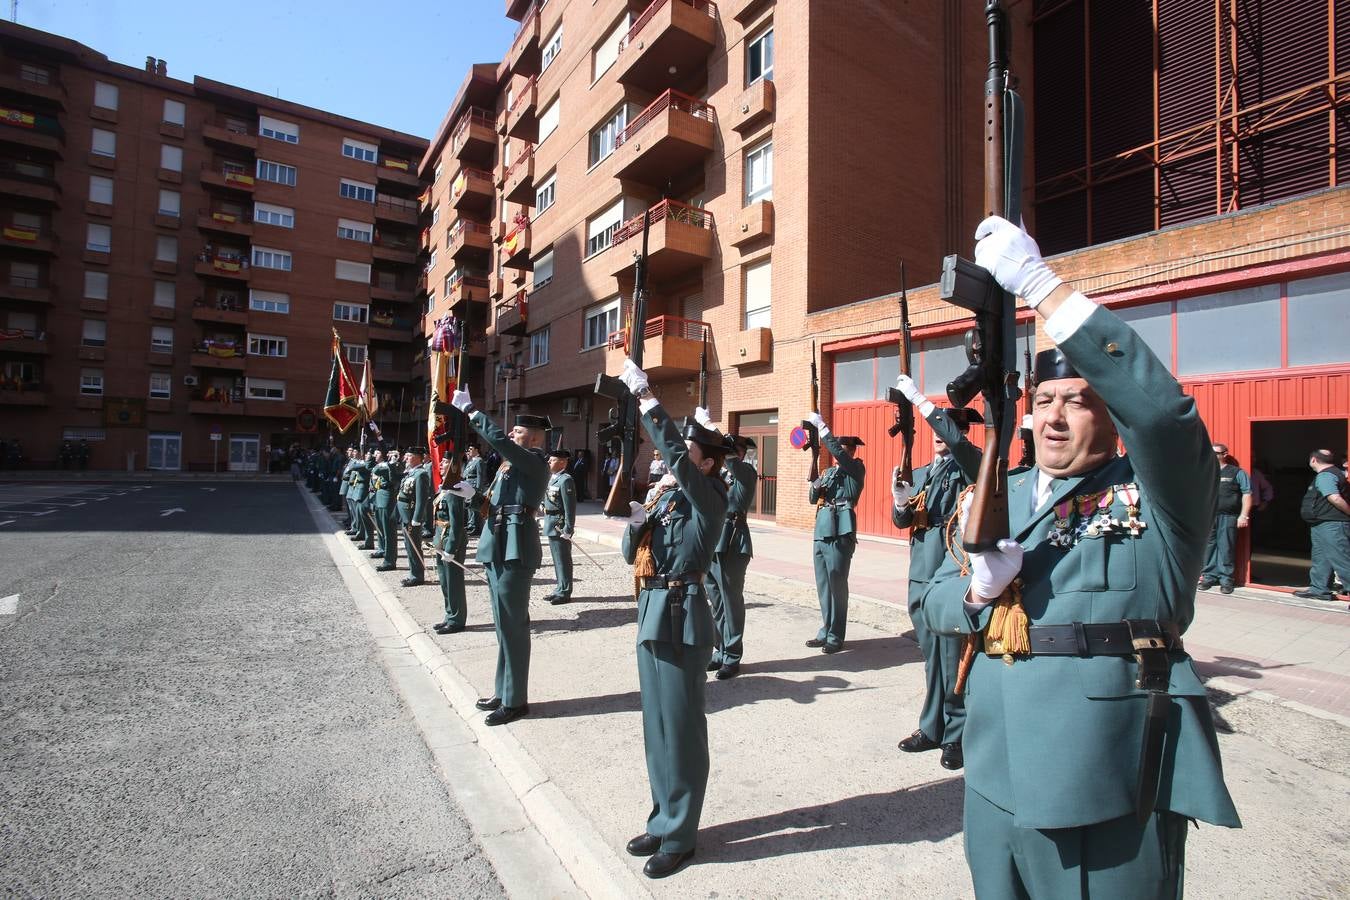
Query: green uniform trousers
x=509, y=590
x=943, y=716
x=361, y=518
x=675, y=737
x=387, y=519
x=451, y=578
x=1221, y=550
x=1115, y=859
x=562, y=565
x=350, y=506
x=1330, y=554
x=412, y=549
x=833, y=558
x=726, y=592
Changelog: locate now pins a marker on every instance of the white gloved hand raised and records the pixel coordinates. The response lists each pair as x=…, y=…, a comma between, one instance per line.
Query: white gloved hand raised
x=701, y=417
x=1012, y=257
x=906, y=386
x=633, y=378
x=462, y=489
x=901, y=491
x=1026, y=421
x=460, y=400
x=815, y=419
x=637, y=513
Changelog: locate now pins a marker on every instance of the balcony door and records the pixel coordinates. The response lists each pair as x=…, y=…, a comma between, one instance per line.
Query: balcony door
x=762, y=428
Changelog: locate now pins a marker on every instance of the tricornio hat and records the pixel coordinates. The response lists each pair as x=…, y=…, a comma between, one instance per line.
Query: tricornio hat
x=964, y=418
x=1051, y=364
x=417, y=450
x=738, y=442
x=704, y=437
x=524, y=420
x=560, y=453
x=851, y=441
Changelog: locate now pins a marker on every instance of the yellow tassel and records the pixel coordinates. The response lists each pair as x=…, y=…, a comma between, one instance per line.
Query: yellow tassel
x=1009, y=631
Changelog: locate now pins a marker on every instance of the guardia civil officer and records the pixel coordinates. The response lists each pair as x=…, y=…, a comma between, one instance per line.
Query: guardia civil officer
x=344, y=485
x=473, y=474
x=414, y=512
x=451, y=540
x=671, y=547
x=835, y=494
x=386, y=508
x=509, y=550
x=358, y=492
x=926, y=508
x=560, y=520
x=1233, y=512
x=1089, y=744
x=1325, y=510
x=731, y=556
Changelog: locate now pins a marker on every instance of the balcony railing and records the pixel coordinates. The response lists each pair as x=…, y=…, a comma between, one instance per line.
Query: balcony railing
x=666, y=326
x=223, y=217
x=520, y=98
x=672, y=210
x=231, y=174
x=27, y=171
x=463, y=225
x=456, y=278
x=671, y=100
x=36, y=122
x=524, y=158
x=219, y=349
x=473, y=115
x=526, y=25
x=705, y=6
x=398, y=165
x=398, y=204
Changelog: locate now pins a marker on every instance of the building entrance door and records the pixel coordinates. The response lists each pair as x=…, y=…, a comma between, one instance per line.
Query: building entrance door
x=165, y=451
x=243, y=453
x=1280, y=542
x=762, y=427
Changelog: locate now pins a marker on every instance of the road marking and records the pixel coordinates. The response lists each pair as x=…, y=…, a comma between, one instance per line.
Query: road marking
x=169, y=512
x=9, y=605
x=9, y=522
x=46, y=513
x=208, y=489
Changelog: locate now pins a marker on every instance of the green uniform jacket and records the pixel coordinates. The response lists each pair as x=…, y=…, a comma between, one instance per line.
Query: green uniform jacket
x=473, y=473
x=944, y=479
x=345, y=478
x=382, y=480
x=740, y=478
x=414, y=496
x=840, y=487
x=517, y=540
x=359, y=475
x=560, y=506
x=1055, y=740
x=452, y=516
x=685, y=525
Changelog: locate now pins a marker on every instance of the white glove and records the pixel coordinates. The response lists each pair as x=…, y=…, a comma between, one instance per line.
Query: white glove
x=900, y=491
x=906, y=386
x=460, y=400
x=634, y=378
x=1012, y=257
x=701, y=417
x=815, y=419
x=993, y=570
x=637, y=513
x=462, y=489
x=1026, y=422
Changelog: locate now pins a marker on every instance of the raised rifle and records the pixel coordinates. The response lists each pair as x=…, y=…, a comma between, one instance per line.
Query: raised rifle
x=1028, y=445
x=904, y=410
x=703, y=372
x=812, y=433
x=621, y=492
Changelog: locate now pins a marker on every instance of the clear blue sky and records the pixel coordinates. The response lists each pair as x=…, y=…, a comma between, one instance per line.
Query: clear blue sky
x=396, y=64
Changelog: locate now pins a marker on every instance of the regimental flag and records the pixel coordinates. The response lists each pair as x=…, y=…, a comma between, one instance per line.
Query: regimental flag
x=342, y=405
x=369, y=402
x=442, y=385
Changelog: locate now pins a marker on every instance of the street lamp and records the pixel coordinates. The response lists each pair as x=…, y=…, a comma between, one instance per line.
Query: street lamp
x=508, y=371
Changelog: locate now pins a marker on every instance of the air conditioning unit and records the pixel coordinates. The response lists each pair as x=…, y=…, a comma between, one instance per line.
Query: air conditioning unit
x=571, y=406
x=190, y=380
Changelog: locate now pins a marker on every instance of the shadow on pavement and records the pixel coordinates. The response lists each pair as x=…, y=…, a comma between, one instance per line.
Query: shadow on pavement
x=866, y=655
x=584, y=620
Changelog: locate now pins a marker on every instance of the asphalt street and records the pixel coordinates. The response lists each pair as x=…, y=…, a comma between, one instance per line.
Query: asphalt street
x=191, y=705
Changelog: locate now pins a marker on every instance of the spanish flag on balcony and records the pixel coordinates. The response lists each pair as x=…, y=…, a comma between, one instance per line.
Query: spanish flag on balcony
x=342, y=404
x=238, y=177
x=509, y=245
x=225, y=265
x=423, y=197
x=224, y=216
x=17, y=117
x=459, y=184
x=400, y=164
x=17, y=233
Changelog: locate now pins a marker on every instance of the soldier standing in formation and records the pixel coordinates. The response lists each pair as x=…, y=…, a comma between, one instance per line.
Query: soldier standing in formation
x=473, y=474
x=509, y=550
x=358, y=496
x=414, y=512
x=1327, y=513
x=926, y=507
x=835, y=494
x=560, y=521
x=386, y=508
x=671, y=549
x=451, y=542
x=345, y=485
x=731, y=556
x=1233, y=512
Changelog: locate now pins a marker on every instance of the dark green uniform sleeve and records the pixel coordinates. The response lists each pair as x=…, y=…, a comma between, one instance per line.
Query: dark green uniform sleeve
x=743, y=478
x=845, y=461
x=569, y=504
x=904, y=517
x=421, y=497
x=530, y=465
x=707, y=501
x=966, y=454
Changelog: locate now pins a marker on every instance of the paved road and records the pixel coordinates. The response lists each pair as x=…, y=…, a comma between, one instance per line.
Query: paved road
x=190, y=705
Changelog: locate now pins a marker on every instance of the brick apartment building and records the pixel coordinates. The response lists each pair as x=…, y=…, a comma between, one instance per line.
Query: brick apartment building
x=1181, y=161
x=175, y=254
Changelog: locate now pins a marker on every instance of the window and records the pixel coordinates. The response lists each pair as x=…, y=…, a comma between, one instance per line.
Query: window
x=98, y=238
x=166, y=294
x=269, y=301
x=605, y=52
x=356, y=354
x=546, y=193
x=175, y=112
x=264, y=389
x=431, y=301
x=384, y=359
x=276, y=172
x=105, y=97
x=355, y=231
x=431, y=260
x=602, y=138
x=543, y=269
x=100, y=189
x=104, y=143
x=161, y=339
x=171, y=157
x=351, y=312
x=96, y=285
x=539, y=347
x=267, y=214
x=600, y=230
x=548, y=121
x=759, y=173
x=24, y=274
x=506, y=154
x=266, y=345
x=91, y=382
x=759, y=58
x=359, y=150
x=1315, y=304
x=267, y=258
x=166, y=249
x=279, y=130
x=1208, y=327
x=345, y=270
x=552, y=47
x=94, y=333
x=601, y=321
x=357, y=190
x=161, y=385
x=170, y=203
x=758, y=295
x=435, y=214
x=35, y=74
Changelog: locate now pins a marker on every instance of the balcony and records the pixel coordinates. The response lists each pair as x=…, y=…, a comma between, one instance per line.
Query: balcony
x=518, y=182
x=391, y=373
x=679, y=238
x=474, y=139
x=234, y=268
x=471, y=189
x=25, y=290
x=223, y=315
x=754, y=107
x=396, y=209
x=669, y=36
x=32, y=129
x=671, y=347
x=511, y=315
x=392, y=294
x=33, y=81
x=516, y=9
x=393, y=250
x=220, y=404
x=218, y=220
x=213, y=354
x=468, y=239
x=22, y=237
x=234, y=135
x=231, y=178
x=397, y=171
x=755, y=222
x=29, y=181
x=522, y=116
x=523, y=58
x=22, y=340
x=516, y=245
x=27, y=395
x=673, y=134
x=468, y=289
x=389, y=328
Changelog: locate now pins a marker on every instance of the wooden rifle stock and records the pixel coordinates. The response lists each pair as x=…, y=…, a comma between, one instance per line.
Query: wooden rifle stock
x=904, y=410
x=812, y=433
x=621, y=492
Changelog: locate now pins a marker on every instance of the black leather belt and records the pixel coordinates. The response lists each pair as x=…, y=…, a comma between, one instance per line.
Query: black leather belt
x=1099, y=639
x=501, y=511
x=670, y=582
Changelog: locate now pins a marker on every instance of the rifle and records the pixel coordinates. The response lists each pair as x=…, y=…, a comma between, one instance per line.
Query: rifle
x=1028, y=445
x=992, y=343
x=812, y=434
x=624, y=425
x=904, y=411
x=703, y=373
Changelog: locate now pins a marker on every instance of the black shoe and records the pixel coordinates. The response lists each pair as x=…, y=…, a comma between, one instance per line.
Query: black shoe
x=385, y=568
x=1225, y=589
x=663, y=864
x=1205, y=584
x=506, y=714
x=368, y=547
x=728, y=671
x=952, y=756
x=356, y=538
x=815, y=642
x=488, y=704
x=831, y=648
x=559, y=599
x=378, y=554
x=411, y=582
x=443, y=628
x=918, y=742
x=1310, y=594
x=714, y=665
x=643, y=845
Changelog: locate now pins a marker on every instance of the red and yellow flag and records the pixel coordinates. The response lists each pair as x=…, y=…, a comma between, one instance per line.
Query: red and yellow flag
x=342, y=405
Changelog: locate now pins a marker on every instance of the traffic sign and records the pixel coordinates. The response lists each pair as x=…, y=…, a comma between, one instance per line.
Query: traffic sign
x=215, y=431
x=215, y=435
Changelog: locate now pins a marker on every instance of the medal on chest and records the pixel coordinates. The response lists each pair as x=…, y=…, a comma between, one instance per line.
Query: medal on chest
x=1061, y=531
x=1095, y=514
x=1129, y=494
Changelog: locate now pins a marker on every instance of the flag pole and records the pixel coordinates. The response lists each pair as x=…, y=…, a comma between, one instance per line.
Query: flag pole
x=398, y=434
